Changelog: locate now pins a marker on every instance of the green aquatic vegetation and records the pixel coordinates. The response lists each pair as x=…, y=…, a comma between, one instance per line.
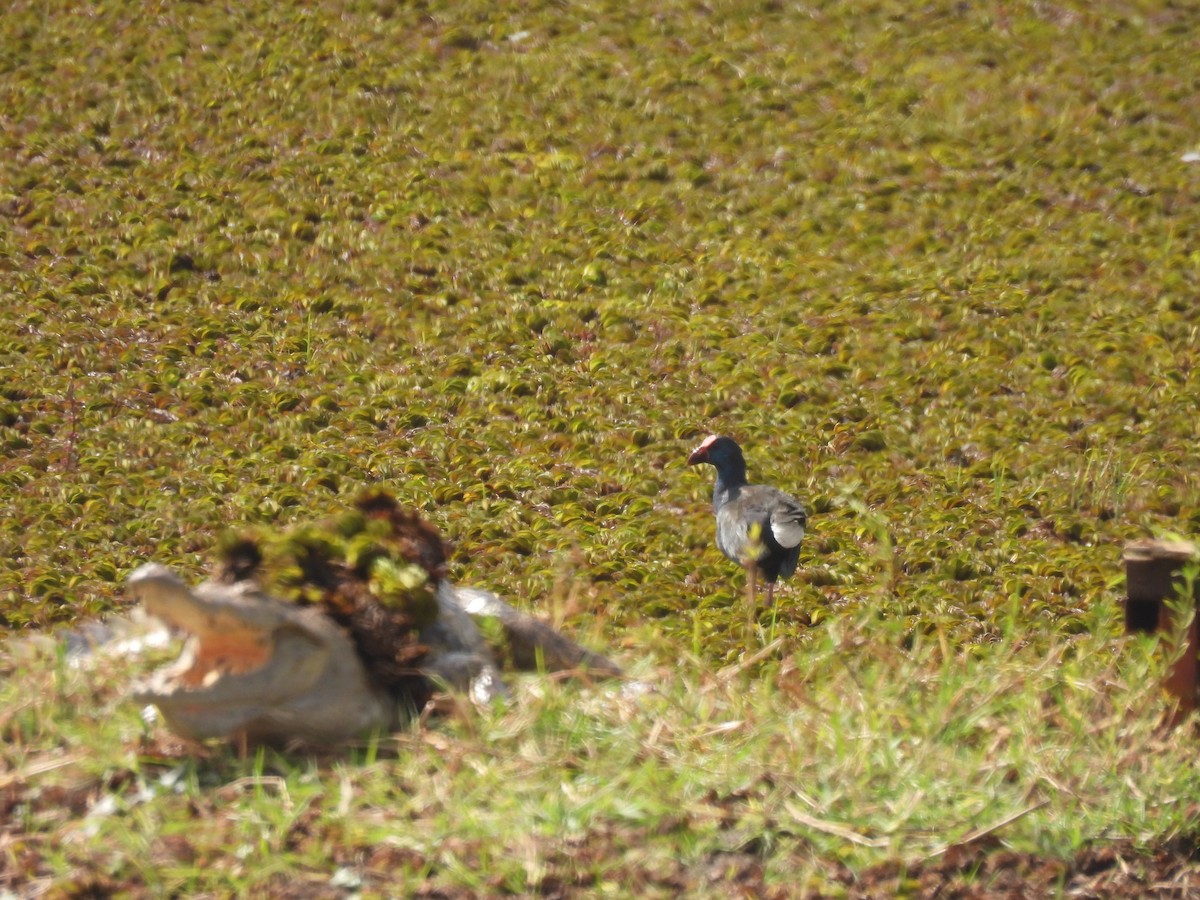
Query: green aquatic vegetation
x=511, y=266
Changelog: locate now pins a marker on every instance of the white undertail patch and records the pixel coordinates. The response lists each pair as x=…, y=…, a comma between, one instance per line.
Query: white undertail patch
x=788, y=534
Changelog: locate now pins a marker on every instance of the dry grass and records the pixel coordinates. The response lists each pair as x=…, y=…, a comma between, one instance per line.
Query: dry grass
x=829, y=755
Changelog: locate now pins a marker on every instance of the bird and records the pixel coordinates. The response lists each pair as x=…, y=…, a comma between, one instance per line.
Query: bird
x=758, y=526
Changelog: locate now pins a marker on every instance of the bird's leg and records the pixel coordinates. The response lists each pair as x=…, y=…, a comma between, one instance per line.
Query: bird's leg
x=752, y=554
x=770, y=594
x=752, y=606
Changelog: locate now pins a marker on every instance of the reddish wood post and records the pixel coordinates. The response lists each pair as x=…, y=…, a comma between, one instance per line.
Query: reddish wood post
x=1153, y=575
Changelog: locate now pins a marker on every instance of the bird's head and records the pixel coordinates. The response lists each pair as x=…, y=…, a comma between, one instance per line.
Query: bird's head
x=716, y=450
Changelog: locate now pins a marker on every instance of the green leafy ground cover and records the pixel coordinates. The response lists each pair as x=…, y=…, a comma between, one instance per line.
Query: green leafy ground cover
x=934, y=265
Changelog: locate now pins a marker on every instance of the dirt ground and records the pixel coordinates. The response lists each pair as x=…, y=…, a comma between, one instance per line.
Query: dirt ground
x=981, y=872
x=985, y=872
x=963, y=874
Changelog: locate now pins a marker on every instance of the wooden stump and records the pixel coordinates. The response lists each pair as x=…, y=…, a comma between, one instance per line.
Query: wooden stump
x=1153, y=575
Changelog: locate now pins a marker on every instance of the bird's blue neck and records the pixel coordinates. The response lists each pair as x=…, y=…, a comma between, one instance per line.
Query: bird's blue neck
x=731, y=478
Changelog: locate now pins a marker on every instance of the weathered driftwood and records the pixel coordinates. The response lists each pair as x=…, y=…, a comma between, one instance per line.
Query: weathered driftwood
x=323, y=630
x=265, y=670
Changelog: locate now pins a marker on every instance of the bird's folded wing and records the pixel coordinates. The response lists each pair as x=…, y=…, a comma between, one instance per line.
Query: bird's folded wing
x=788, y=521
x=770, y=508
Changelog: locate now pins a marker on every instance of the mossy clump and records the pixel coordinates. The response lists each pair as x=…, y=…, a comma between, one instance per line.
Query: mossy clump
x=374, y=570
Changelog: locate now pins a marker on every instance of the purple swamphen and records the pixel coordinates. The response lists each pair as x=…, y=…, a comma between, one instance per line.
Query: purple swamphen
x=758, y=527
